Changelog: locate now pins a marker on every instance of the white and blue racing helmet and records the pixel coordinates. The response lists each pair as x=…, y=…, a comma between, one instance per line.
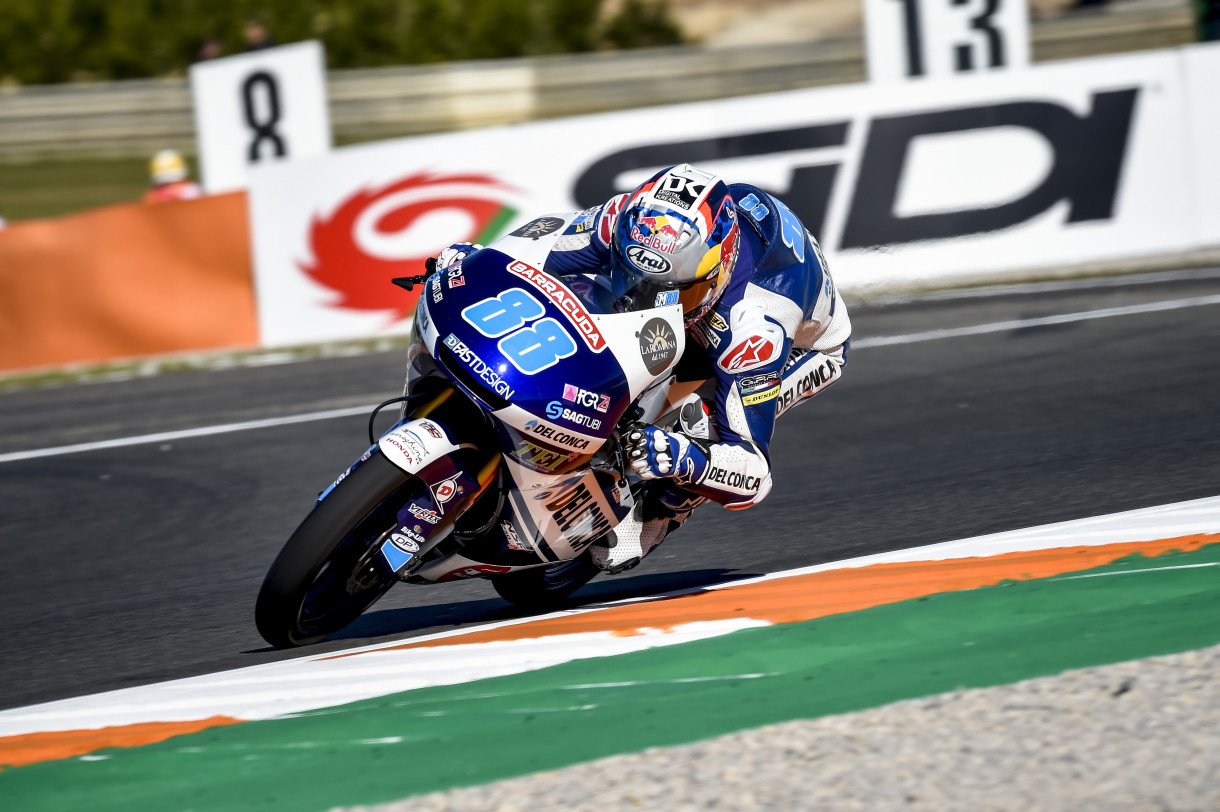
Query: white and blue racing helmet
x=675, y=241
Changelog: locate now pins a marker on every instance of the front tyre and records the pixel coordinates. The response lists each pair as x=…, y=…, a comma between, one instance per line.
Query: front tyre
x=328, y=572
x=545, y=587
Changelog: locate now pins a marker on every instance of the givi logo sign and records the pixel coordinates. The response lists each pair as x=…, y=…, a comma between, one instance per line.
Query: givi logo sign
x=1058, y=164
x=1087, y=156
x=377, y=234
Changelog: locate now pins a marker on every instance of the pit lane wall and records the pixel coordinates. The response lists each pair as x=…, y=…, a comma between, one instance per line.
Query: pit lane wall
x=1065, y=163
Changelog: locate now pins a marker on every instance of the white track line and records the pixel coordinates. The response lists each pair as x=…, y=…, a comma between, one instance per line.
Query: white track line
x=1057, y=285
x=878, y=341
x=168, y=436
x=1042, y=321
x=1132, y=572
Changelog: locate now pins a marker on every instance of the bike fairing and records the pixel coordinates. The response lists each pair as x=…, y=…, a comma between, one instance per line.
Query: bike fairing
x=567, y=392
x=734, y=471
x=780, y=296
x=536, y=328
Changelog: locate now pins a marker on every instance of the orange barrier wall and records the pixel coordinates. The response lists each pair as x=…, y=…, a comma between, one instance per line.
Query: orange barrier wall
x=125, y=281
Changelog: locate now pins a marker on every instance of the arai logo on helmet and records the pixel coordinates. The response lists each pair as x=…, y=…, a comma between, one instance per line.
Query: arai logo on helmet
x=647, y=260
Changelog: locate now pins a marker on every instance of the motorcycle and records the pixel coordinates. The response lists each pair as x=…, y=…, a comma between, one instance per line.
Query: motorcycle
x=505, y=462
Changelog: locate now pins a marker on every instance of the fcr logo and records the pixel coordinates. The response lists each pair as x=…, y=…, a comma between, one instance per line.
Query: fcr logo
x=375, y=234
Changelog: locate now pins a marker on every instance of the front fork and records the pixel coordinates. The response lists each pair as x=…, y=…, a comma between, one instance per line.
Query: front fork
x=454, y=475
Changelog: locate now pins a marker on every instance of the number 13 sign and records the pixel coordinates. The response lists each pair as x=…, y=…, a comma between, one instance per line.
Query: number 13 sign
x=913, y=39
x=259, y=107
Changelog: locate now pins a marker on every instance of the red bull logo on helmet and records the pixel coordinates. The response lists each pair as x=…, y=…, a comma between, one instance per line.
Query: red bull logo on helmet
x=658, y=232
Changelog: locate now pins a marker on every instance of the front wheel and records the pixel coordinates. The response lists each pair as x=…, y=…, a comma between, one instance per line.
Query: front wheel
x=545, y=587
x=328, y=572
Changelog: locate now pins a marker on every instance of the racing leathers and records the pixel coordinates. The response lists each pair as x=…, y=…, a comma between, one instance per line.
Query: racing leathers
x=778, y=335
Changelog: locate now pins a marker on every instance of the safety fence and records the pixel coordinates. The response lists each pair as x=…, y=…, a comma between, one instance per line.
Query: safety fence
x=140, y=116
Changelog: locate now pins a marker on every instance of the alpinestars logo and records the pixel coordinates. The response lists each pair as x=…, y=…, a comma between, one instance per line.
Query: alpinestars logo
x=751, y=353
x=762, y=343
x=376, y=234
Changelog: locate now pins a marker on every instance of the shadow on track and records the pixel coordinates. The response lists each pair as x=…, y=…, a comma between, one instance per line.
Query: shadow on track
x=389, y=622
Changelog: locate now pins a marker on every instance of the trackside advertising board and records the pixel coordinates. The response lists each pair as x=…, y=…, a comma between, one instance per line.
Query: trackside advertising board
x=1063, y=163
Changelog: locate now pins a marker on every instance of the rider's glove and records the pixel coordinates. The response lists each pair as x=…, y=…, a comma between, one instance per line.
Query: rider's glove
x=653, y=453
x=454, y=254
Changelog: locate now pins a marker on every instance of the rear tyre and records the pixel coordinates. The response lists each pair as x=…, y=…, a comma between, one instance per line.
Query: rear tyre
x=327, y=574
x=546, y=587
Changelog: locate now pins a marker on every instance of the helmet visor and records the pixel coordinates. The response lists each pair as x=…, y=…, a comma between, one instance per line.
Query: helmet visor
x=635, y=290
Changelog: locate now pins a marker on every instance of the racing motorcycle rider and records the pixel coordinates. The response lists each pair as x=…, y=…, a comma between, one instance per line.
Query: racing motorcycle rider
x=759, y=305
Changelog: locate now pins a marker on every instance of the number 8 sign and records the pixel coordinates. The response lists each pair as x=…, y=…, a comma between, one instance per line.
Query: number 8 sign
x=257, y=108
x=916, y=39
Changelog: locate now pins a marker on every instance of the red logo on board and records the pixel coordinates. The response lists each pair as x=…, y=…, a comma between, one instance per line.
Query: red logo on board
x=371, y=236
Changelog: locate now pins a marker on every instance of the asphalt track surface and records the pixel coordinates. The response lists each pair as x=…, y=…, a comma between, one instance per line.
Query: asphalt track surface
x=126, y=566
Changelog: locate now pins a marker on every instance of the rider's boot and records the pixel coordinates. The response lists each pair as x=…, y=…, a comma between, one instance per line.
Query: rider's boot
x=626, y=545
x=662, y=509
x=663, y=506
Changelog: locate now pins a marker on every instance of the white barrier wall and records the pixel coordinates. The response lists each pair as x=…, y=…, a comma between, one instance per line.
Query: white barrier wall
x=1063, y=163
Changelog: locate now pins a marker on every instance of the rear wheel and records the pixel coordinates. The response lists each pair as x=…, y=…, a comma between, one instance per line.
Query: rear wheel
x=546, y=587
x=330, y=571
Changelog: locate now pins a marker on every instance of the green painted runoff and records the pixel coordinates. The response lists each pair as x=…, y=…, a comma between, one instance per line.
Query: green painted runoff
x=437, y=738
